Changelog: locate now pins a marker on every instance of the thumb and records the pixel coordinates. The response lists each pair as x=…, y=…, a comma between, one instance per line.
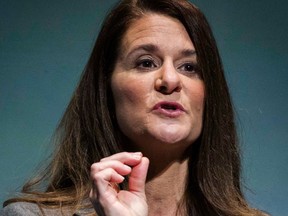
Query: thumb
x=138, y=176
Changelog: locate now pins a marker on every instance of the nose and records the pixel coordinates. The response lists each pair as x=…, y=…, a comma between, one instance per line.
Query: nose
x=168, y=80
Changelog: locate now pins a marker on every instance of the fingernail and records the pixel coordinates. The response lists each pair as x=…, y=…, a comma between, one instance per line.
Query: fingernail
x=127, y=168
x=137, y=155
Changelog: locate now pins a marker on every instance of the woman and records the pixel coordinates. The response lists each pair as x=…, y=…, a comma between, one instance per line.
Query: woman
x=152, y=115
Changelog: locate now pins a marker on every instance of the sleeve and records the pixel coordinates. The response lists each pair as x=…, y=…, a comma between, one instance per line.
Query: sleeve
x=20, y=209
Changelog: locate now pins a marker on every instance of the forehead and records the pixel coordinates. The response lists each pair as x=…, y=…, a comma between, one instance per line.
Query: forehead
x=156, y=29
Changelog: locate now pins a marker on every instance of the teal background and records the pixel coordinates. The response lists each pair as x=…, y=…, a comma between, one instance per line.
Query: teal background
x=44, y=46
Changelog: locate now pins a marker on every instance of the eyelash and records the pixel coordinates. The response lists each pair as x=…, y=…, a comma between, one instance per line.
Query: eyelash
x=192, y=67
x=141, y=64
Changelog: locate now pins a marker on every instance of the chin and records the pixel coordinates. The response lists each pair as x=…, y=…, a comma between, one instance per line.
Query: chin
x=172, y=137
x=171, y=133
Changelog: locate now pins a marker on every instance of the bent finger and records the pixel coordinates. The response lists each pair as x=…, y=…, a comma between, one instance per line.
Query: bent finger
x=103, y=180
x=138, y=176
x=128, y=158
x=118, y=166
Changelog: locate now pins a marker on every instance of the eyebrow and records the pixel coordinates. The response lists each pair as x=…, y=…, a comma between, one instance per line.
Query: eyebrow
x=145, y=47
x=188, y=52
x=153, y=48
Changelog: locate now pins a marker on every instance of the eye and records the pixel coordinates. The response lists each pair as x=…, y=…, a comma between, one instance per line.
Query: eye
x=146, y=64
x=187, y=67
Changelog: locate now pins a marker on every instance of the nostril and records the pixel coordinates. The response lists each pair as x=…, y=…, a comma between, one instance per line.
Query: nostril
x=167, y=86
x=163, y=89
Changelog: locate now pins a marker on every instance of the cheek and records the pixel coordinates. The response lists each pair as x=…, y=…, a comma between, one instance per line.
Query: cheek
x=129, y=94
x=197, y=97
x=125, y=94
x=130, y=106
x=200, y=97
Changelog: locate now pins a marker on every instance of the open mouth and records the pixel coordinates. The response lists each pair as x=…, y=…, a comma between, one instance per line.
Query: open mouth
x=168, y=107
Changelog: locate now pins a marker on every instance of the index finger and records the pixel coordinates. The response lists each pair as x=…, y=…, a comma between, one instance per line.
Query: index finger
x=128, y=158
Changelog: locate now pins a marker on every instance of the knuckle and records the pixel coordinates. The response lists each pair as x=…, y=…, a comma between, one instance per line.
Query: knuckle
x=103, y=159
x=110, y=170
x=95, y=167
x=96, y=177
x=125, y=155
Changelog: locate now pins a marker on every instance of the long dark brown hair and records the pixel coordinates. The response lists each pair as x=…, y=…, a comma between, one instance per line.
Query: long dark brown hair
x=88, y=130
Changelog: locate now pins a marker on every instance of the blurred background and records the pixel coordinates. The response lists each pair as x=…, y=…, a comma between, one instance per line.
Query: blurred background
x=44, y=46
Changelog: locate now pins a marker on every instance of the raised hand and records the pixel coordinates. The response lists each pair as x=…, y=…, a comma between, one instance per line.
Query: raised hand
x=107, y=199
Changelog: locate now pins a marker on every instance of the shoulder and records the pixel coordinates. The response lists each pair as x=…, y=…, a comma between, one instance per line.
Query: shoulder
x=20, y=208
x=26, y=208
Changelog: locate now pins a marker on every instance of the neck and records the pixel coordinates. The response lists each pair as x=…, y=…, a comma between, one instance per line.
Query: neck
x=164, y=191
x=166, y=180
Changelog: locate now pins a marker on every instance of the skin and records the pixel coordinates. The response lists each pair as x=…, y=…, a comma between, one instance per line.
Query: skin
x=157, y=66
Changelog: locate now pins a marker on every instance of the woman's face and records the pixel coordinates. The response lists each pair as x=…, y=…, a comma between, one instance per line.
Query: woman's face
x=158, y=94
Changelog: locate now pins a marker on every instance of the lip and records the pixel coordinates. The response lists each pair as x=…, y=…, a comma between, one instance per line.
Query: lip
x=169, y=109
